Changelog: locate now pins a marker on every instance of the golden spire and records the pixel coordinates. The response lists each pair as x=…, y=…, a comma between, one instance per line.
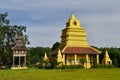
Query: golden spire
x=106, y=54
x=73, y=16
x=59, y=56
x=45, y=57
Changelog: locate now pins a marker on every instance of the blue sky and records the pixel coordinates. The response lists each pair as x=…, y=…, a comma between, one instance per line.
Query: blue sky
x=45, y=19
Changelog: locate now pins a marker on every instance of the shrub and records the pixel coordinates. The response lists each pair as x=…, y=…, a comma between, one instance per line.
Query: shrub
x=70, y=67
x=103, y=66
x=53, y=63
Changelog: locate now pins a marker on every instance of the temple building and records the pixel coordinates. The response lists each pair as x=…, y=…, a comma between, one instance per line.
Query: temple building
x=74, y=47
x=19, y=54
x=106, y=60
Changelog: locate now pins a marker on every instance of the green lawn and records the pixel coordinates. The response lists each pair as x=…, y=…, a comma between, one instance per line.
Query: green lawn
x=68, y=74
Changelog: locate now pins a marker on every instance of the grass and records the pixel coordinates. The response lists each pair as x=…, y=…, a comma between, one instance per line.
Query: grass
x=66, y=74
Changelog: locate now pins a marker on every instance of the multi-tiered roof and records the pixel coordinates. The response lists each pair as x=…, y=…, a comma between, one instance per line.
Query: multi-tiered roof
x=74, y=39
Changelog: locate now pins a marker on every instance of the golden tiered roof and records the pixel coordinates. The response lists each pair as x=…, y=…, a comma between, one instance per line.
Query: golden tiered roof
x=74, y=34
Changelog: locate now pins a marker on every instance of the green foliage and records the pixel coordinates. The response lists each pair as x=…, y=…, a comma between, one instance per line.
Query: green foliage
x=53, y=63
x=115, y=62
x=36, y=54
x=35, y=59
x=82, y=61
x=55, y=46
x=8, y=34
x=104, y=66
x=3, y=21
x=70, y=67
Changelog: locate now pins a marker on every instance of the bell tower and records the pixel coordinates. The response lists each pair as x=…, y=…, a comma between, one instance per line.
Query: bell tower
x=19, y=54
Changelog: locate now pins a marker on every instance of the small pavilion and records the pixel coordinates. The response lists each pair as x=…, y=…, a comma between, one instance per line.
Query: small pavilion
x=74, y=46
x=19, y=54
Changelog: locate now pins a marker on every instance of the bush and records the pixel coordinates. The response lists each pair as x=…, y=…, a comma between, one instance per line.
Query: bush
x=53, y=63
x=70, y=67
x=31, y=65
x=103, y=66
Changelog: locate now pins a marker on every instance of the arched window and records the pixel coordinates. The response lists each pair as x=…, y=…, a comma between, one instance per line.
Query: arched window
x=75, y=23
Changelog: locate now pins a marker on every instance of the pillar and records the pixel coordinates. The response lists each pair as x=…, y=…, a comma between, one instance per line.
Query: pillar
x=75, y=59
x=88, y=65
x=25, y=61
x=97, y=58
x=63, y=59
x=87, y=58
x=13, y=61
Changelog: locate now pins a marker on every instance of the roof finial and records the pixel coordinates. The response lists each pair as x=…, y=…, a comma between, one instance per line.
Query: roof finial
x=73, y=16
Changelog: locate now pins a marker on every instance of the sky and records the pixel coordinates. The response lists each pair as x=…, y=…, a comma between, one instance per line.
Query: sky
x=45, y=19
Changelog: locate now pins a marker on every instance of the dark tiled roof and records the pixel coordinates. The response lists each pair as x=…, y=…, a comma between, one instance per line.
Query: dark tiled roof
x=19, y=48
x=55, y=52
x=81, y=50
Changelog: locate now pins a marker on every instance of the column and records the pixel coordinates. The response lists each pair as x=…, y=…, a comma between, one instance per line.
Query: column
x=97, y=58
x=87, y=61
x=86, y=58
x=25, y=61
x=75, y=59
x=63, y=59
x=13, y=61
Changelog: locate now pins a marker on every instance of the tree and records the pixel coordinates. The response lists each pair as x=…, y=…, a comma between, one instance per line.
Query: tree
x=8, y=34
x=114, y=54
x=55, y=46
x=53, y=63
x=115, y=62
x=36, y=54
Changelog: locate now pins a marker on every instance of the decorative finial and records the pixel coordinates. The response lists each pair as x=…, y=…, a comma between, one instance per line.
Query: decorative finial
x=73, y=16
